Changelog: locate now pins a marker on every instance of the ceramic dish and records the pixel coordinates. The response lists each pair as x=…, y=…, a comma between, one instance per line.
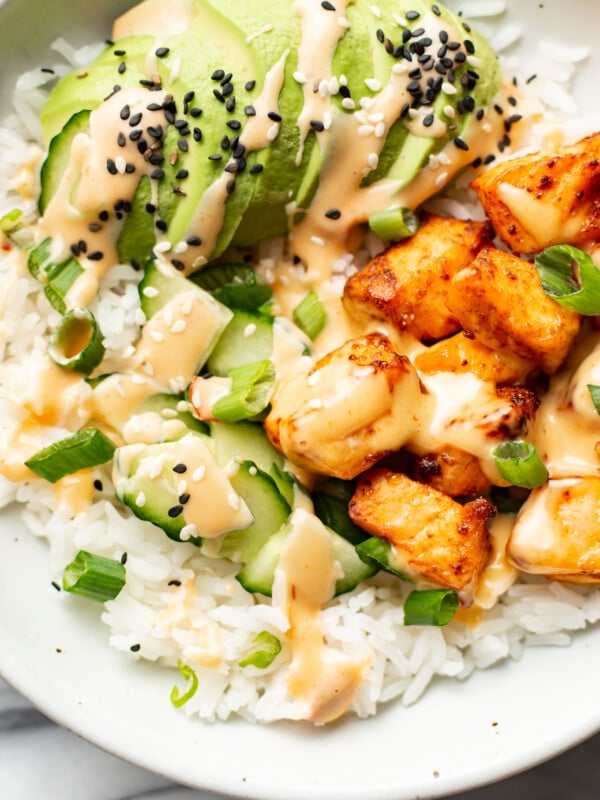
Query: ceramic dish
x=54, y=648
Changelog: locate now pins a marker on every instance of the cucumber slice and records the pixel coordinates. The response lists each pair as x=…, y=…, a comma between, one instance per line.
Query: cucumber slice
x=269, y=509
x=259, y=572
x=248, y=338
x=244, y=441
x=59, y=153
x=159, y=403
x=234, y=285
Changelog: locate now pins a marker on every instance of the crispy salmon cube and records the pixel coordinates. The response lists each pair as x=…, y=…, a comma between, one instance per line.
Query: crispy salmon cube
x=407, y=284
x=451, y=471
x=540, y=200
x=355, y=406
x=462, y=353
x=556, y=532
x=500, y=300
x=438, y=540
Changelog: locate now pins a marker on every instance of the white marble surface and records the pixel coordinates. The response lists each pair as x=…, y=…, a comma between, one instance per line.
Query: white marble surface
x=40, y=761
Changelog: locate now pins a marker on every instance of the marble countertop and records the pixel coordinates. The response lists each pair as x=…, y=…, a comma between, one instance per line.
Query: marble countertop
x=40, y=761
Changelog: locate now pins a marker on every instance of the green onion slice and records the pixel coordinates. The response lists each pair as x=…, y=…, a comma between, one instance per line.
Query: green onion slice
x=77, y=342
x=267, y=650
x=430, y=607
x=310, y=315
x=508, y=500
x=188, y=673
x=234, y=285
x=60, y=279
x=89, y=447
x=379, y=551
x=394, y=224
x=570, y=277
x=11, y=222
x=94, y=577
x=251, y=390
x=38, y=258
x=595, y=393
x=520, y=464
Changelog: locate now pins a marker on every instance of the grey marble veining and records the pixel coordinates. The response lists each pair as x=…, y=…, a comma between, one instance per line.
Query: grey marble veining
x=40, y=761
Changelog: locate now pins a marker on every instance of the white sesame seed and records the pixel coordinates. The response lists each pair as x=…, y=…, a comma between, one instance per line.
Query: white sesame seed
x=253, y=471
x=413, y=113
x=156, y=336
x=313, y=379
x=168, y=413
x=182, y=487
x=444, y=159
x=324, y=87
x=139, y=379
x=175, y=69
x=343, y=80
x=128, y=351
x=162, y=247
x=486, y=127
x=199, y=262
x=198, y=474
x=373, y=160
x=399, y=20
x=375, y=10
x=365, y=130
x=155, y=468
x=450, y=112
x=139, y=317
x=474, y=61
x=178, y=326
x=343, y=22
x=120, y=164
x=266, y=29
x=273, y=132
x=140, y=500
x=434, y=162
x=373, y=84
x=135, y=423
x=299, y=76
x=333, y=85
x=150, y=291
x=168, y=315
x=327, y=120
x=181, y=247
x=249, y=330
x=187, y=307
x=441, y=179
x=377, y=117
x=448, y=88
x=318, y=241
x=348, y=103
x=360, y=116
x=380, y=130
x=399, y=68
x=233, y=500
x=148, y=369
x=315, y=403
x=367, y=103
x=188, y=531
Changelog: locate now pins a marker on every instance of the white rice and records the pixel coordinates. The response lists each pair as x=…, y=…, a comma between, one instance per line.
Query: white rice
x=215, y=627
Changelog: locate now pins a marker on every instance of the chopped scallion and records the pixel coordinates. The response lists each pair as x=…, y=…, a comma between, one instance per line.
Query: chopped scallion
x=11, y=222
x=77, y=343
x=520, y=464
x=379, y=551
x=251, y=389
x=60, y=279
x=430, y=607
x=267, y=650
x=38, y=258
x=310, y=315
x=595, y=393
x=188, y=674
x=94, y=577
x=394, y=224
x=570, y=277
x=87, y=448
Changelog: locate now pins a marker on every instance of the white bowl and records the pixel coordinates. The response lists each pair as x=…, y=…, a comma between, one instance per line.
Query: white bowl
x=460, y=735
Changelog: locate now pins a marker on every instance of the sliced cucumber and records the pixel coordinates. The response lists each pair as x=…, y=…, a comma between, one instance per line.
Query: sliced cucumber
x=159, y=403
x=247, y=338
x=234, y=285
x=269, y=509
x=258, y=574
x=59, y=153
x=331, y=506
x=162, y=286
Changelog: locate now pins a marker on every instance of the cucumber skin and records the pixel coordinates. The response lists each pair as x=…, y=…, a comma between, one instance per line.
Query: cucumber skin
x=58, y=156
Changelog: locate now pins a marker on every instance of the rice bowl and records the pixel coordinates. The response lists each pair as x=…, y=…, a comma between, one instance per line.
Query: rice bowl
x=567, y=605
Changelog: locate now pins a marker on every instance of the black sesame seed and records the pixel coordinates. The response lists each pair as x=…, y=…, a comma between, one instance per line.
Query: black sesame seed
x=188, y=97
x=469, y=103
x=256, y=168
x=135, y=648
x=197, y=134
x=230, y=104
x=514, y=118
x=406, y=35
x=94, y=227
x=466, y=27
x=125, y=112
x=184, y=498
x=135, y=135
x=182, y=145
x=180, y=468
x=480, y=114
x=277, y=117
x=405, y=109
x=469, y=47
x=181, y=174
x=512, y=101
x=175, y=511
x=398, y=51
x=489, y=159
x=96, y=256
x=82, y=246
x=230, y=186
x=460, y=58
x=157, y=174
x=380, y=35
x=122, y=68
x=218, y=95
x=150, y=208
x=389, y=47
x=444, y=37
x=98, y=485
x=156, y=159
x=156, y=131
x=111, y=166
x=231, y=167
x=412, y=15
x=250, y=111
x=333, y=213
x=218, y=74
x=121, y=140
x=436, y=11
x=461, y=144
x=215, y=157
x=249, y=85
x=180, y=266
x=103, y=215
x=227, y=89
x=327, y=5
x=55, y=586
x=447, y=63
x=124, y=558
x=531, y=78
x=161, y=52
x=316, y=125
x=174, y=582
x=225, y=143
x=344, y=91
x=195, y=112
x=234, y=124
x=161, y=225
x=476, y=163
x=193, y=241
x=428, y=120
